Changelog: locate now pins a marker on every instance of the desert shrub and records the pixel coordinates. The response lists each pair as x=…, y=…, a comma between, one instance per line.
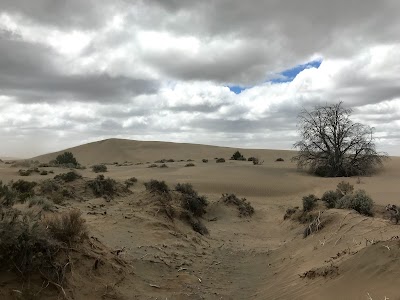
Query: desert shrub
x=102, y=186
x=280, y=159
x=163, y=166
x=330, y=198
x=359, y=201
x=26, y=246
x=204, y=160
x=24, y=189
x=344, y=188
x=67, y=159
x=220, y=160
x=130, y=182
x=237, y=156
x=43, y=172
x=99, y=168
x=251, y=158
x=170, y=160
x=190, y=165
x=185, y=188
x=245, y=209
x=7, y=195
x=309, y=202
x=257, y=161
x=155, y=186
x=196, y=224
x=24, y=172
x=43, y=165
x=69, y=176
x=48, y=186
x=289, y=212
x=152, y=166
x=160, y=161
x=189, y=160
x=191, y=200
x=68, y=227
x=45, y=204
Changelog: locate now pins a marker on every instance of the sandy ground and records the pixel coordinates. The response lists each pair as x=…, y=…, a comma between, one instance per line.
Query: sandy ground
x=262, y=257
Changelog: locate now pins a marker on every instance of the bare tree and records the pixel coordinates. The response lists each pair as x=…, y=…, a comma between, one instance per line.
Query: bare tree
x=332, y=145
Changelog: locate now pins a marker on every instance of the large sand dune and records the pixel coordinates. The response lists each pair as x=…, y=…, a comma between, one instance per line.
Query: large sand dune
x=262, y=257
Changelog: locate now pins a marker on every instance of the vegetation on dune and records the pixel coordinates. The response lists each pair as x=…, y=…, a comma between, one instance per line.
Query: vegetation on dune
x=99, y=168
x=102, y=186
x=220, y=160
x=68, y=177
x=244, y=207
x=237, y=156
x=332, y=145
x=156, y=186
x=66, y=159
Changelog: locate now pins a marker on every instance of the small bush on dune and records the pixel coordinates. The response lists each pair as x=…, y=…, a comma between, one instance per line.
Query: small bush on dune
x=170, y=160
x=68, y=227
x=24, y=189
x=152, y=166
x=42, y=202
x=330, y=198
x=66, y=158
x=190, y=165
x=49, y=186
x=204, y=160
x=359, y=201
x=8, y=196
x=99, y=168
x=309, y=202
x=24, y=172
x=220, y=160
x=289, y=212
x=185, y=188
x=191, y=201
x=102, y=186
x=26, y=246
x=43, y=172
x=69, y=176
x=163, y=166
x=280, y=159
x=155, y=186
x=257, y=161
x=130, y=182
x=237, y=156
x=244, y=207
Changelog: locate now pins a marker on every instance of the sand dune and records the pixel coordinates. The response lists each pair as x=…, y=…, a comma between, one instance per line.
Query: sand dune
x=262, y=257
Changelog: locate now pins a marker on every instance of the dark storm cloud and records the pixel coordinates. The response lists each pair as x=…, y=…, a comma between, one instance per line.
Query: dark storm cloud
x=32, y=72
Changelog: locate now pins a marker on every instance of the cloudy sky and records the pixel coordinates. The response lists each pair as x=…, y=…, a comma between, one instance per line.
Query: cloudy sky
x=220, y=72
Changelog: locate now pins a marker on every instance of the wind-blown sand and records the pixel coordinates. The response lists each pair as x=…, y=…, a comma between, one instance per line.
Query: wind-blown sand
x=261, y=257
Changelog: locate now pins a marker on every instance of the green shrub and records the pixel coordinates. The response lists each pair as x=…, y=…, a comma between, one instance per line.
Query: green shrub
x=45, y=204
x=67, y=159
x=185, y=188
x=245, y=209
x=196, y=224
x=309, y=202
x=103, y=186
x=191, y=200
x=237, y=156
x=24, y=172
x=68, y=227
x=359, y=201
x=49, y=186
x=26, y=246
x=24, y=189
x=130, y=182
x=330, y=198
x=155, y=186
x=69, y=176
x=8, y=196
x=99, y=168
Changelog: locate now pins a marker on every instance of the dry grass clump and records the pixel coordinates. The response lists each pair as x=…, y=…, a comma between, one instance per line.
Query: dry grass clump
x=69, y=176
x=257, y=161
x=163, y=166
x=220, y=160
x=152, y=166
x=204, y=160
x=102, y=186
x=68, y=227
x=155, y=186
x=24, y=172
x=190, y=165
x=244, y=207
x=99, y=168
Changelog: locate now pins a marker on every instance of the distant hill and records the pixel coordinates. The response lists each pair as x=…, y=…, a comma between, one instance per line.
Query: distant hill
x=120, y=150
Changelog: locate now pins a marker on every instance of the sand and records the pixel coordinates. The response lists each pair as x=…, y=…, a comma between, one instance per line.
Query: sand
x=261, y=257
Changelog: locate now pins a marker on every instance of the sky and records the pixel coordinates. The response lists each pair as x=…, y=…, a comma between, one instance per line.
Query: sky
x=230, y=73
